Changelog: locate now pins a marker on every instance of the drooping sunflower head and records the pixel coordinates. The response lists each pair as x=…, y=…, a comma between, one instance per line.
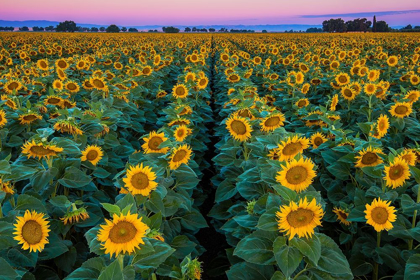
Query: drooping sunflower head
x=153, y=141
x=140, y=180
x=341, y=215
x=9, y=102
x=6, y=187
x=396, y=173
x=93, y=154
x=3, y=120
x=75, y=215
x=181, y=132
x=40, y=150
x=180, y=155
x=29, y=118
x=53, y=100
x=334, y=102
x=297, y=175
x=68, y=126
x=380, y=214
x=369, y=157
x=401, y=109
x=409, y=156
x=123, y=234
x=239, y=128
x=300, y=218
x=179, y=121
x=317, y=139
x=288, y=149
x=179, y=91
x=32, y=231
x=273, y=121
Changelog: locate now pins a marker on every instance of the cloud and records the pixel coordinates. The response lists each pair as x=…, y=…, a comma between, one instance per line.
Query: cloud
x=363, y=14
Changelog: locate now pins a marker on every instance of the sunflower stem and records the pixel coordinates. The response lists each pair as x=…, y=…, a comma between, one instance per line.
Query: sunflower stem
x=413, y=222
x=370, y=109
x=376, y=268
x=121, y=261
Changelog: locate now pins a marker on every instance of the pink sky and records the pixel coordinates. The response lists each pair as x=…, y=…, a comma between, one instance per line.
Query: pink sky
x=194, y=12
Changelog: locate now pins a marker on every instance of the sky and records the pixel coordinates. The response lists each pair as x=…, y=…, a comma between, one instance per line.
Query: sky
x=210, y=12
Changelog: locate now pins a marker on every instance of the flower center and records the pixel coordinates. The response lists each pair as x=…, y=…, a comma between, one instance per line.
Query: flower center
x=154, y=143
x=238, y=127
x=179, y=155
x=273, y=121
x=396, y=172
x=32, y=232
x=401, y=110
x=122, y=232
x=292, y=148
x=369, y=158
x=296, y=175
x=300, y=217
x=40, y=150
x=379, y=215
x=92, y=155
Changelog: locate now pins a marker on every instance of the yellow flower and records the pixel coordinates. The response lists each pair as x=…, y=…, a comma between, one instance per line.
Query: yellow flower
x=348, y=93
x=300, y=219
x=369, y=157
x=3, y=120
x=302, y=102
x=396, y=173
x=392, y=61
x=180, y=91
x=12, y=86
x=32, y=231
x=401, y=109
x=151, y=143
x=341, y=216
x=288, y=149
x=123, y=234
x=180, y=155
x=297, y=175
x=382, y=125
x=181, y=132
x=380, y=215
x=271, y=122
x=93, y=154
x=29, y=118
x=342, y=79
x=408, y=156
x=40, y=150
x=334, y=102
x=317, y=139
x=140, y=180
x=239, y=128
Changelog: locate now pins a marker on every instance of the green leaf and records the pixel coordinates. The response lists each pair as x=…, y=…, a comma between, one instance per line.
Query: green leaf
x=257, y=247
x=284, y=192
x=412, y=269
x=309, y=247
x=193, y=221
x=183, y=246
x=268, y=220
x=249, y=271
x=42, y=178
x=6, y=271
x=288, y=258
x=60, y=201
x=153, y=259
x=5, y=167
x=74, y=178
x=54, y=248
x=6, y=235
x=112, y=209
x=28, y=202
x=111, y=272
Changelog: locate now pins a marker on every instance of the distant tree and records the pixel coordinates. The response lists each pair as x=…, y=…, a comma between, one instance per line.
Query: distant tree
x=24, y=28
x=49, y=28
x=203, y=30
x=94, y=29
x=212, y=30
x=124, y=29
x=334, y=25
x=223, y=29
x=112, y=29
x=7, y=28
x=102, y=29
x=314, y=30
x=187, y=29
x=264, y=31
x=37, y=29
x=408, y=27
x=361, y=25
x=66, y=26
x=374, y=24
x=194, y=29
x=382, y=26
x=170, y=29
x=132, y=29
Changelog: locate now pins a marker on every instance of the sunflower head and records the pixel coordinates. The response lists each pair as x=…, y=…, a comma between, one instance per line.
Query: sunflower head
x=369, y=157
x=3, y=120
x=239, y=128
x=140, y=180
x=93, y=154
x=380, y=215
x=341, y=216
x=180, y=155
x=40, y=150
x=297, y=175
x=273, y=121
x=32, y=231
x=401, y=109
x=179, y=91
x=288, y=149
x=181, y=132
x=153, y=141
x=317, y=139
x=300, y=218
x=396, y=173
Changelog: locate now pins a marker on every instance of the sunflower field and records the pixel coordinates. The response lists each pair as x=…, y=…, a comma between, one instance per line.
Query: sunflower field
x=209, y=156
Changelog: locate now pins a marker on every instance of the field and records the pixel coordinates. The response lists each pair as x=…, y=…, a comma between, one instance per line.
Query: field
x=209, y=156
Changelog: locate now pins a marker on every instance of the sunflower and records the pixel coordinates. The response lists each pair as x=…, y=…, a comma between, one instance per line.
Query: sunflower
x=382, y=125
x=396, y=173
x=6, y=187
x=12, y=86
x=179, y=121
x=369, y=157
x=392, y=61
x=348, y=93
x=409, y=156
x=161, y=94
x=270, y=123
x=179, y=91
x=414, y=80
x=342, y=79
x=58, y=84
x=123, y=234
x=98, y=83
x=93, y=154
x=412, y=95
x=65, y=126
x=71, y=86
x=151, y=143
x=288, y=149
x=334, y=102
x=180, y=155
x=53, y=100
x=186, y=110
x=303, y=102
x=9, y=102
x=300, y=218
x=42, y=64
x=239, y=128
x=75, y=215
x=233, y=78
x=29, y=118
x=341, y=215
x=317, y=139
x=297, y=175
x=401, y=109
x=181, y=132
x=61, y=64
x=3, y=120
x=380, y=214
x=202, y=83
x=40, y=150
x=32, y=231
x=370, y=89
x=140, y=180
